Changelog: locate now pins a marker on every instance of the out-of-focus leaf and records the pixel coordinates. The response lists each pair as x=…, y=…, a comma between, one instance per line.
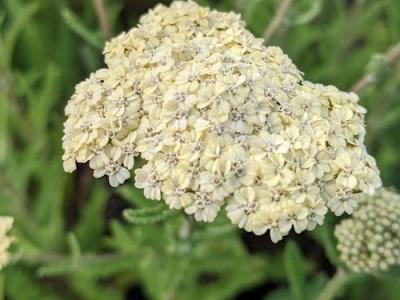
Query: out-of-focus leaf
x=313, y=9
x=23, y=285
x=295, y=272
x=313, y=288
x=377, y=65
x=257, y=14
x=136, y=197
x=90, y=226
x=74, y=246
x=3, y=127
x=41, y=103
x=148, y=215
x=102, y=265
x=87, y=287
x=325, y=236
x=77, y=26
x=2, y=282
x=23, y=17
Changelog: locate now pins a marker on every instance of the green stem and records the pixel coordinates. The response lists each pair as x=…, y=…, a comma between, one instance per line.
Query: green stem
x=334, y=286
x=2, y=286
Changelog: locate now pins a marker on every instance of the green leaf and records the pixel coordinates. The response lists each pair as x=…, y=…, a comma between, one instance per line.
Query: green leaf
x=23, y=285
x=90, y=226
x=257, y=14
x=88, y=287
x=41, y=103
x=135, y=196
x=313, y=287
x=148, y=214
x=23, y=17
x=73, y=245
x=77, y=26
x=97, y=265
x=324, y=235
x=4, y=130
x=121, y=238
x=212, y=231
x=295, y=272
x=2, y=288
x=313, y=8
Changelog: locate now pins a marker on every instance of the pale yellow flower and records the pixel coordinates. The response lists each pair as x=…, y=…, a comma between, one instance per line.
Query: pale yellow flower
x=222, y=121
x=242, y=206
x=6, y=224
x=147, y=179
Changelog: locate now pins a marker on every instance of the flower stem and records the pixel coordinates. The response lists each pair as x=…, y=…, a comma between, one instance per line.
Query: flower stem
x=102, y=15
x=391, y=57
x=277, y=19
x=334, y=286
x=238, y=5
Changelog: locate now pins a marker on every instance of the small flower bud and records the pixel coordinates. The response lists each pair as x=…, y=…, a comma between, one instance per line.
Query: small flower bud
x=371, y=245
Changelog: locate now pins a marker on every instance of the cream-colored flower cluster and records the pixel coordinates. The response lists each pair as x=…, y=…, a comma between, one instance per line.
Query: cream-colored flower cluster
x=221, y=121
x=370, y=240
x=6, y=224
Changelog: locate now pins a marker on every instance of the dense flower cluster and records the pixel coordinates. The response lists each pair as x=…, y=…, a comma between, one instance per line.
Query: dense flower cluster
x=370, y=239
x=5, y=241
x=221, y=121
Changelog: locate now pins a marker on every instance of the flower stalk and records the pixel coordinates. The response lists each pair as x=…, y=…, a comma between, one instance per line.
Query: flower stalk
x=102, y=16
x=391, y=57
x=277, y=19
x=334, y=286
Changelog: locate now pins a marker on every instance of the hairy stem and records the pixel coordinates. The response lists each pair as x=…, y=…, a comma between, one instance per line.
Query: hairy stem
x=277, y=19
x=391, y=57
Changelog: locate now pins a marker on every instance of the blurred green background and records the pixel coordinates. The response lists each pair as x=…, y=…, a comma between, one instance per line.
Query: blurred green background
x=72, y=241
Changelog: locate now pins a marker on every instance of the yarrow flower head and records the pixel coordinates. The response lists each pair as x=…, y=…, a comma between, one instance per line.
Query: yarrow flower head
x=369, y=240
x=6, y=224
x=222, y=121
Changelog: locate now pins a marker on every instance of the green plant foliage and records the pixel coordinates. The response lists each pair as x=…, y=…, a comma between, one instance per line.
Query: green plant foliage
x=75, y=24
x=294, y=266
x=76, y=238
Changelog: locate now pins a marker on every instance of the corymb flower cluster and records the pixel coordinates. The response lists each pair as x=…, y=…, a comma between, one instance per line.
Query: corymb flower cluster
x=370, y=240
x=221, y=121
x=6, y=224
